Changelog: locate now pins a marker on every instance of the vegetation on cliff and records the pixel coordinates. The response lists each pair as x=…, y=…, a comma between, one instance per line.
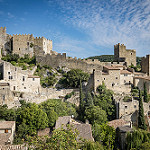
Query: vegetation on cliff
x=25, y=62
x=73, y=77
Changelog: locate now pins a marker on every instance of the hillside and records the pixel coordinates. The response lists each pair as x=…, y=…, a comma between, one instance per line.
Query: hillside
x=110, y=58
x=103, y=58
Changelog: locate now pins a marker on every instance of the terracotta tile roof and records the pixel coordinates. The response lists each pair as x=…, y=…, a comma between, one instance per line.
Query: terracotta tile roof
x=4, y=137
x=31, y=76
x=141, y=77
x=4, y=84
x=111, y=67
x=84, y=130
x=6, y=124
x=62, y=121
x=125, y=72
x=117, y=123
x=44, y=132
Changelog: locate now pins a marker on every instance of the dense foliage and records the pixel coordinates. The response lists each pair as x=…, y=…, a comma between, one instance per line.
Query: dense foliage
x=31, y=117
x=47, y=75
x=138, y=140
x=25, y=62
x=73, y=77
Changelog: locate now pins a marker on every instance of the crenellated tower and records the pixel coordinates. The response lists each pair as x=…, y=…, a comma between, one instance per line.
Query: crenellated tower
x=121, y=54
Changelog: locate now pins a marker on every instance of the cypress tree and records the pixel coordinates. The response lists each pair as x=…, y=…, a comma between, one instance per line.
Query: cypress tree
x=141, y=120
x=89, y=100
x=145, y=93
x=81, y=105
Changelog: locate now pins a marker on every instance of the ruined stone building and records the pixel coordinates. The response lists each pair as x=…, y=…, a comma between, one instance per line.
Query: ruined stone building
x=121, y=54
x=24, y=44
x=145, y=64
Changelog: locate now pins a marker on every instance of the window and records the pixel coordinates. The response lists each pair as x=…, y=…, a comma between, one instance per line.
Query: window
x=28, y=43
x=116, y=77
x=10, y=77
x=134, y=106
x=14, y=88
x=8, y=72
x=126, y=107
x=24, y=87
x=125, y=74
x=19, y=48
x=131, y=53
x=149, y=106
x=104, y=78
x=23, y=79
x=98, y=80
x=33, y=79
x=6, y=130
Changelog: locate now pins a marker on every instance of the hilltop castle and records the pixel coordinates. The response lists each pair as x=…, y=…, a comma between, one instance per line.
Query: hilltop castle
x=24, y=44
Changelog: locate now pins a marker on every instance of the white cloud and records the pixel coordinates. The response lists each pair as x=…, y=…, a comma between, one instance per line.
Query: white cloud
x=110, y=22
x=10, y=15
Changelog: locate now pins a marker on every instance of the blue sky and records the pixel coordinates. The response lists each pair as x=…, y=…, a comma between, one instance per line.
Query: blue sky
x=81, y=28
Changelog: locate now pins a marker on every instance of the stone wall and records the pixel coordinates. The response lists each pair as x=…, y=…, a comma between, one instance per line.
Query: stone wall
x=123, y=54
x=60, y=60
x=145, y=64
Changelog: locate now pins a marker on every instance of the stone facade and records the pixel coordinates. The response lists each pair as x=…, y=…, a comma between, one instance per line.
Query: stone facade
x=112, y=77
x=145, y=64
x=125, y=55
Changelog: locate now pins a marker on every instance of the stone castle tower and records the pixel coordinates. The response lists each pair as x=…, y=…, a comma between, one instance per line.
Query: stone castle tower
x=145, y=64
x=5, y=40
x=24, y=44
x=121, y=54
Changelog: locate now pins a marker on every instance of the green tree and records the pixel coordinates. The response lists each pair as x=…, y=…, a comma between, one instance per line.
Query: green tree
x=145, y=93
x=105, y=100
x=81, y=104
x=95, y=114
x=104, y=134
x=34, y=117
x=73, y=77
x=141, y=120
x=89, y=100
x=61, y=139
x=137, y=139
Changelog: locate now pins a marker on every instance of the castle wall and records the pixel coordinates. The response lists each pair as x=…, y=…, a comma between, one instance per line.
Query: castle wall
x=45, y=44
x=22, y=44
x=71, y=63
x=145, y=64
